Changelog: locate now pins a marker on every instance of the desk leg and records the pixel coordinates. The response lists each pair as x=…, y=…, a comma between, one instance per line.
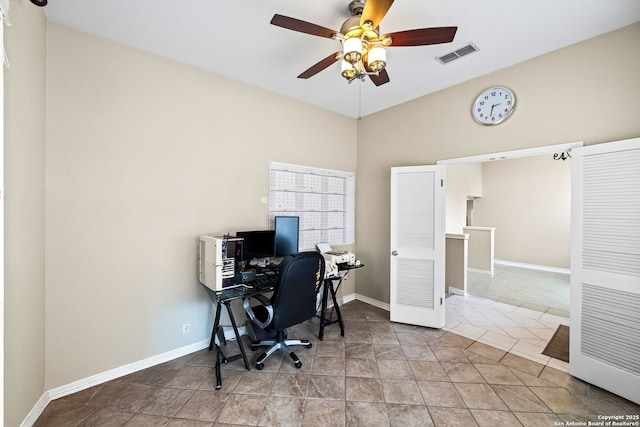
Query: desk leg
x=235, y=330
x=216, y=326
x=325, y=297
x=218, y=373
x=337, y=307
x=214, y=334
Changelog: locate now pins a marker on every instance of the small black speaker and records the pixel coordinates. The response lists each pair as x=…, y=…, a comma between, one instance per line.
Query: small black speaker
x=245, y=277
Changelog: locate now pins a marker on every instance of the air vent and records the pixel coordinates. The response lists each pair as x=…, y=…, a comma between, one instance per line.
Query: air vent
x=456, y=54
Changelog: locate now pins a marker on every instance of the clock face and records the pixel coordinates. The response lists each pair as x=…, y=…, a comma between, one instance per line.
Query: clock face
x=493, y=105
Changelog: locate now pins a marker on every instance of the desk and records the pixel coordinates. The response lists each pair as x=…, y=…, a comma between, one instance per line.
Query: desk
x=224, y=298
x=330, y=288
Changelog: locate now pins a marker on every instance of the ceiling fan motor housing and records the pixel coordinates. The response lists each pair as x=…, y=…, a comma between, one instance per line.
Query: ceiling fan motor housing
x=356, y=7
x=352, y=28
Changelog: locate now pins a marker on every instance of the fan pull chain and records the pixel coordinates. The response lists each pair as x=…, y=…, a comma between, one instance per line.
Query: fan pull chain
x=360, y=100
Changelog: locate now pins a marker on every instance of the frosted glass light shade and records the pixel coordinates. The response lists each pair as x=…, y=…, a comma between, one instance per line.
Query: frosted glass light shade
x=352, y=50
x=377, y=59
x=348, y=71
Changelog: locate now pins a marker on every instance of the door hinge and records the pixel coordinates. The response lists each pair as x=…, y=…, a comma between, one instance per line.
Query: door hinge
x=440, y=300
x=442, y=183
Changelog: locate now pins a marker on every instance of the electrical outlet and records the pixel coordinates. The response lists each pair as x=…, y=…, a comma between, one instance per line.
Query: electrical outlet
x=186, y=328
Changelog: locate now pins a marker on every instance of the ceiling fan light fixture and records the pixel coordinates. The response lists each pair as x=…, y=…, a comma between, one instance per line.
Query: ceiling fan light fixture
x=377, y=59
x=352, y=50
x=363, y=53
x=348, y=71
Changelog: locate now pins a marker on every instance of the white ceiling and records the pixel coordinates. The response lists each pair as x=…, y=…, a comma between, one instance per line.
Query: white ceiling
x=234, y=38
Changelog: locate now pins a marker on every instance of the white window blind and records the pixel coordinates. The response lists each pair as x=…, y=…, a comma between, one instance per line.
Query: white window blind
x=324, y=199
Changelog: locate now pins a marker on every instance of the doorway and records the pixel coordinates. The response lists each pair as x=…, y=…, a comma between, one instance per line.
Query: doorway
x=530, y=216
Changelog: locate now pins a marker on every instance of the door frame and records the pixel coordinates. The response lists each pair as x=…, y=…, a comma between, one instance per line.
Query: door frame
x=512, y=154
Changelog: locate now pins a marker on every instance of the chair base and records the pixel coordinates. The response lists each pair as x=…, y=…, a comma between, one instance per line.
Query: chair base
x=275, y=345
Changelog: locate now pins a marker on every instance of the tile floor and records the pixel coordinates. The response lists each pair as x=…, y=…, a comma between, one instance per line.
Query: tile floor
x=379, y=374
x=518, y=330
x=523, y=287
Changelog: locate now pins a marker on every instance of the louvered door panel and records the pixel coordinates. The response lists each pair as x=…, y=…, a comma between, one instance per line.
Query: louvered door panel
x=605, y=267
x=416, y=210
x=611, y=212
x=415, y=283
x=610, y=330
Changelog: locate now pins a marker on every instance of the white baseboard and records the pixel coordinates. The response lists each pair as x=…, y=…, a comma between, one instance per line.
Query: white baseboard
x=533, y=266
x=348, y=298
x=373, y=302
x=456, y=291
x=130, y=368
x=35, y=412
x=477, y=270
x=104, y=377
x=126, y=369
x=345, y=299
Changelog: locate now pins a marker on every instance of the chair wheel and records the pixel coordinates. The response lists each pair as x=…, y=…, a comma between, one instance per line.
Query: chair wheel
x=309, y=345
x=259, y=366
x=298, y=364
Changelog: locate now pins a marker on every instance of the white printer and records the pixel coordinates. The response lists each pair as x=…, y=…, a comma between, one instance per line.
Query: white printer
x=341, y=257
x=333, y=258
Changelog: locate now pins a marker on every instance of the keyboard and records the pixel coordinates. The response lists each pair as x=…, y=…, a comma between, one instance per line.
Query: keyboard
x=265, y=281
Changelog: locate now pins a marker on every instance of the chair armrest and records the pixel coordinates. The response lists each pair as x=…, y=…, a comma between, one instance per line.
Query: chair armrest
x=265, y=302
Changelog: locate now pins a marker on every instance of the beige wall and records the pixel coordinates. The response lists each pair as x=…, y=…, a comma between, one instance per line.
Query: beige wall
x=143, y=155
x=140, y=149
x=457, y=262
x=528, y=201
x=24, y=141
x=463, y=181
x=481, y=248
x=560, y=99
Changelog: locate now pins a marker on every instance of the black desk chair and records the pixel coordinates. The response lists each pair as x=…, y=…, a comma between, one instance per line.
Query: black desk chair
x=293, y=301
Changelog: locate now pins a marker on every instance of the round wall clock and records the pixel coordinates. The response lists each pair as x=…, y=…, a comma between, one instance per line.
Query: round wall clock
x=493, y=105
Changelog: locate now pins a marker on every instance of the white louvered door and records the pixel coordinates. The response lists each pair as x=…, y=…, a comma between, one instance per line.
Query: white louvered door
x=417, y=256
x=605, y=267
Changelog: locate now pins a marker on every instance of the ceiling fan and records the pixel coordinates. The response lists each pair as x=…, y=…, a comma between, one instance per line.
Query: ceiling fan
x=363, y=47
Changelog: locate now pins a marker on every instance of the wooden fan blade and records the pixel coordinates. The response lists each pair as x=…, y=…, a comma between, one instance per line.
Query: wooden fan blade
x=302, y=26
x=316, y=68
x=423, y=36
x=374, y=11
x=381, y=78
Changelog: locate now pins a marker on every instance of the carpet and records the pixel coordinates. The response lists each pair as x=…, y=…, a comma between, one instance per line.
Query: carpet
x=558, y=346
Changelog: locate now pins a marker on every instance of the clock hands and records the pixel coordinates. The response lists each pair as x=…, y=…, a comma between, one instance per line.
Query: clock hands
x=492, y=107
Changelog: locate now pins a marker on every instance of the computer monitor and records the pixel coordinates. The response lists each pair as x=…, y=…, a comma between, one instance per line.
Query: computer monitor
x=257, y=244
x=286, y=235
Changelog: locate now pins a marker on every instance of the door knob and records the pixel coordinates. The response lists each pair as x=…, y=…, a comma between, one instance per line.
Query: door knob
x=394, y=253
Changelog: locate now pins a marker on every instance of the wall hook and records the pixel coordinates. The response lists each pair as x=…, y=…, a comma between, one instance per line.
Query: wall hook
x=562, y=156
